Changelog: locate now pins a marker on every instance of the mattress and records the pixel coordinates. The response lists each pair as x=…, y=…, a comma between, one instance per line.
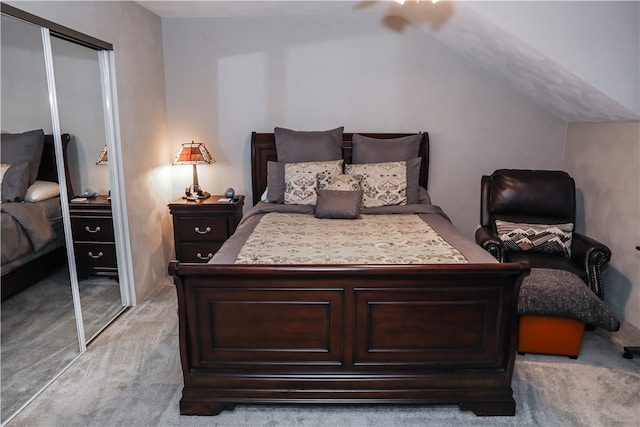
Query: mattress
x=272, y=233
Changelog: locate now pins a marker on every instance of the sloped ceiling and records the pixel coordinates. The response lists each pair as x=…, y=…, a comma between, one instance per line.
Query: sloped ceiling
x=551, y=51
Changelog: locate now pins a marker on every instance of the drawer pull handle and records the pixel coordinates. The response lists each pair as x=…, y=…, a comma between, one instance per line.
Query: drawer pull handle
x=96, y=230
x=204, y=258
x=207, y=230
x=100, y=255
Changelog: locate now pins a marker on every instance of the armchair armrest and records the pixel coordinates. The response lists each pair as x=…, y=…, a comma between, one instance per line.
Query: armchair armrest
x=490, y=242
x=590, y=255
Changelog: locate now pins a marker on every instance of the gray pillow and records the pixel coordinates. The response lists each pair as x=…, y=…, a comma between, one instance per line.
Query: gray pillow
x=275, y=182
x=375, y=150
x=314, y=146
x=15, y=182
x=23, y=147
x=338, y=204
x=413, y=180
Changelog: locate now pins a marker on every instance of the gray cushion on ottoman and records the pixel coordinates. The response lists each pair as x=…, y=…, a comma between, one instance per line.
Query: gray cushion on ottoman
x=559, y=293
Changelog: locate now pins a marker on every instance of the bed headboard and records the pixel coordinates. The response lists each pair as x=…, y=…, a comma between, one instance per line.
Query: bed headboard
x=48, y=170
x=263, y=150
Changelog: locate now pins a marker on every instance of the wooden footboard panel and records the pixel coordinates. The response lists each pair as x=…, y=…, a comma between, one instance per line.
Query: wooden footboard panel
x=348, y=334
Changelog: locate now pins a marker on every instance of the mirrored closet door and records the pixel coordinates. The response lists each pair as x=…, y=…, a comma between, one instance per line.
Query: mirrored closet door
x=81, y=112
x=39, y=335
x=60, y=292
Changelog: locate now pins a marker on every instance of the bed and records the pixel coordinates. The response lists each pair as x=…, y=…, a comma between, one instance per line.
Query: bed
x=33, y=243
x=347, y=333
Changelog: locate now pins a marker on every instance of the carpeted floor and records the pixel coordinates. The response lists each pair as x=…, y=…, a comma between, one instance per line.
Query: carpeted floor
x=131, y=377
x=39, y=336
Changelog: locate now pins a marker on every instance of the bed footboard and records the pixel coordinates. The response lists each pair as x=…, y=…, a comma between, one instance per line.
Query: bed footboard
x=348, y=334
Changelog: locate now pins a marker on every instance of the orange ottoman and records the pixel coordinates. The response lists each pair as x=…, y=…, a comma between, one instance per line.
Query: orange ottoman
x=550, y=335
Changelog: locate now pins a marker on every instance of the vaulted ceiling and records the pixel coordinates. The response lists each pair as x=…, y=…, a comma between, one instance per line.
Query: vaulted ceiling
x=580, y=60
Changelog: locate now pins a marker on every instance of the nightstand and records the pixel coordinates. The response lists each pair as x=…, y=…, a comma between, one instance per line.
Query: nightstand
x=201, y=227
x=93, y=238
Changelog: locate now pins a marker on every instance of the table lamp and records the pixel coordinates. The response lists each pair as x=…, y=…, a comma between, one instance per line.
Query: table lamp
x=194, y=154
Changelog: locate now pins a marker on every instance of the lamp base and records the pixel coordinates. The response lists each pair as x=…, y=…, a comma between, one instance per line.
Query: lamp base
x=192, y=193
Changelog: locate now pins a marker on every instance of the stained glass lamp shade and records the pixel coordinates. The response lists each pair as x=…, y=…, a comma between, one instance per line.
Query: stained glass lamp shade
x=194, y=154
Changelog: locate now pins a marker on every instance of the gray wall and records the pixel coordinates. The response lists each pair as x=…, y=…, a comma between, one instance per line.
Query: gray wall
x=136, y=35
x=227, y=77
x=604, y=159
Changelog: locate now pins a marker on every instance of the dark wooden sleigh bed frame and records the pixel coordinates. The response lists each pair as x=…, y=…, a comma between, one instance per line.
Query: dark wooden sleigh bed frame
x=22, y=277
x=346, y=334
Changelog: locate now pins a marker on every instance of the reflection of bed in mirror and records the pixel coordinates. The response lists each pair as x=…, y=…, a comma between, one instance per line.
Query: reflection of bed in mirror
x=33, y=242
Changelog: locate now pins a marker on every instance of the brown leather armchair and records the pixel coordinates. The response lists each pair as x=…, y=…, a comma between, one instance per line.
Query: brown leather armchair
x=538, y=197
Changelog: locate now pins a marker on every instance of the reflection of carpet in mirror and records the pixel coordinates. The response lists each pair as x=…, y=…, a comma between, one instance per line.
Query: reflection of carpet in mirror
x=100, y=301
x=38, y=332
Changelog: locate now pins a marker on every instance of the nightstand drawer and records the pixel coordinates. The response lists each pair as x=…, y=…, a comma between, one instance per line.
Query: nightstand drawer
x=202, y=228
x=95, y=255
x=198, y=252
x=92, y=229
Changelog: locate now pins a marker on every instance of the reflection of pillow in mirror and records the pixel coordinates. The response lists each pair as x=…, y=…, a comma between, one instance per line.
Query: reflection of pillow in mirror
x=3, y=169
x=42, y=190
x=24, y=147
x=15, y=182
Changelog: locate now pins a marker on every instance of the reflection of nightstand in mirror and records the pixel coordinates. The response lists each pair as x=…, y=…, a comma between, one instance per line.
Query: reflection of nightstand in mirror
x=93, y=238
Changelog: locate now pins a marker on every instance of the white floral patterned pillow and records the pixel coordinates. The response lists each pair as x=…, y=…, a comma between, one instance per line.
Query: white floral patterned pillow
x=340, y=182
x=384, y=184
x=301, y=180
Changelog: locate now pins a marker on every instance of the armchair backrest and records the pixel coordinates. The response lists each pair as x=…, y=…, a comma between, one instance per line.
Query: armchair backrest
x=531, y=196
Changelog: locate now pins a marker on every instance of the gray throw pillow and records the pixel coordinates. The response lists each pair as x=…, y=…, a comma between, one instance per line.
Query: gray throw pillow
x=337, y=204
x=548, y=238
x=313, y=146
x=15, y=182
x=23, y=147
x=275, y=182
x=413, y=180
x=376, y=150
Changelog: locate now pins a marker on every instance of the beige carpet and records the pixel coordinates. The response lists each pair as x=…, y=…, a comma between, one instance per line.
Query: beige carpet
x=131, y=377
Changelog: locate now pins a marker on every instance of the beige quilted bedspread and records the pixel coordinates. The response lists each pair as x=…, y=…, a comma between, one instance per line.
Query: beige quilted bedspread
x=285, y=238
